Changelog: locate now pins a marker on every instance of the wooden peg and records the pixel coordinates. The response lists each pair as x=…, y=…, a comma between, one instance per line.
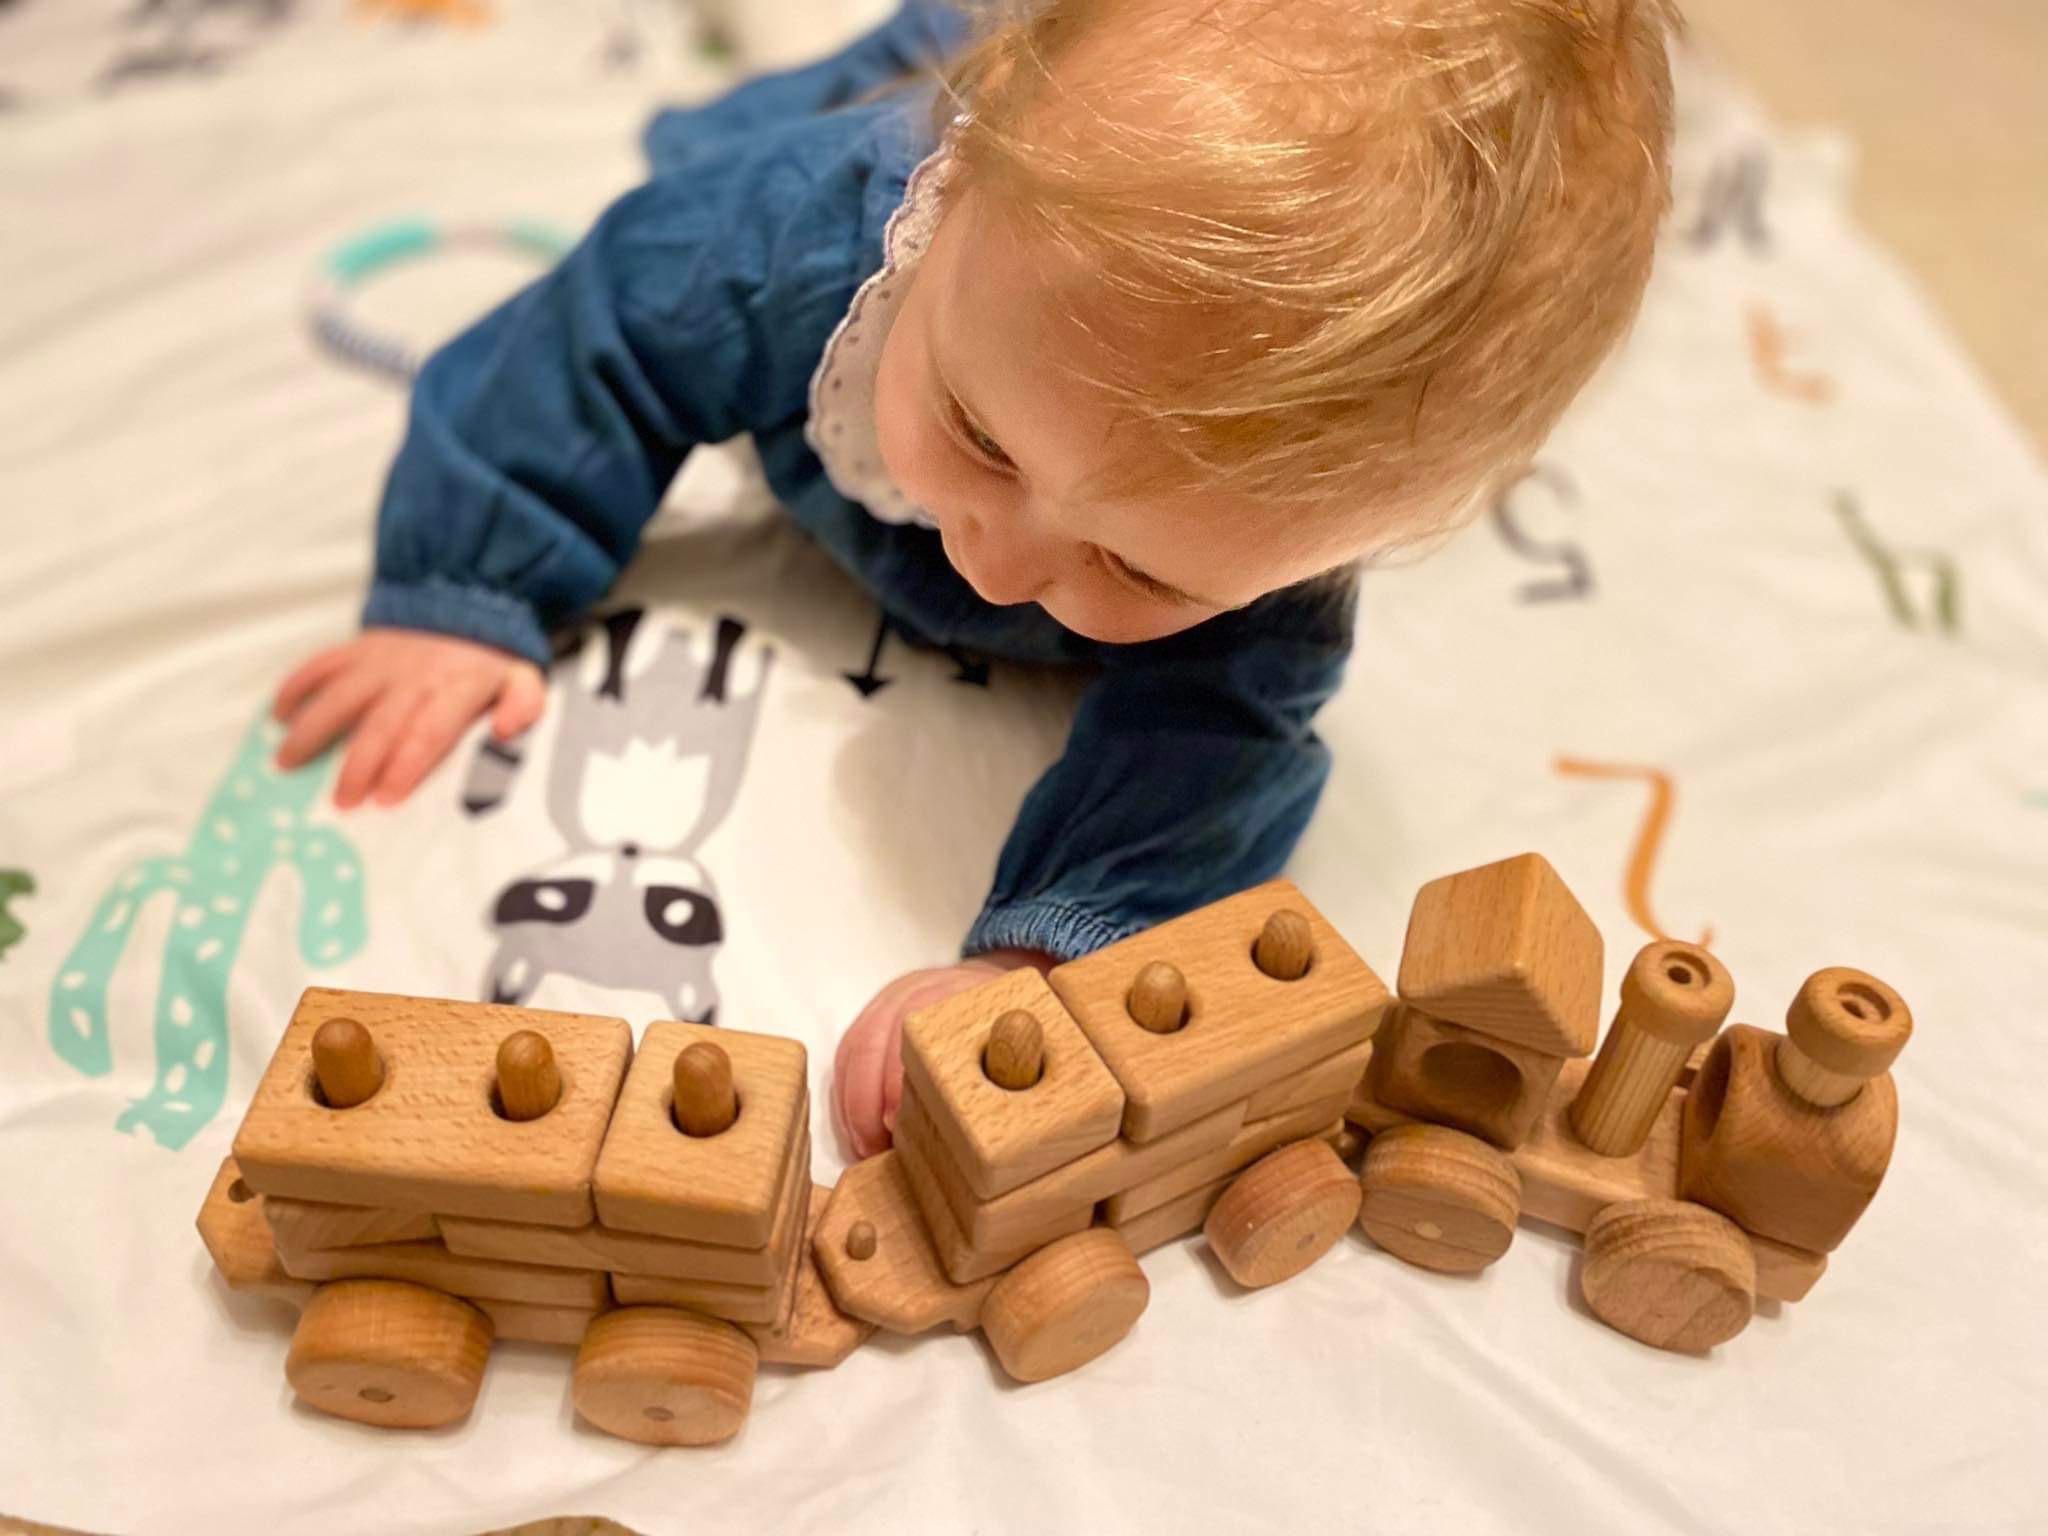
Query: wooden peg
x=1844, y=1027
x=1159, y=998
x=529, y=1082
x=1672, y=1274
x=705, y=1102
x=1015, y=1055
x=346, y=1062
x=1674, y=997
x=1285, y=947
x=860, y=1241
x=1283, y=1213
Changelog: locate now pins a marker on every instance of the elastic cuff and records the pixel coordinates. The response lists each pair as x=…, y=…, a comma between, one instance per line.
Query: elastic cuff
x=469, y=613
x=1063, y=932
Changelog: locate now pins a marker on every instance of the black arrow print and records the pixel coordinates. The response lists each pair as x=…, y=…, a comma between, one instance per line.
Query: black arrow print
x=870, y=682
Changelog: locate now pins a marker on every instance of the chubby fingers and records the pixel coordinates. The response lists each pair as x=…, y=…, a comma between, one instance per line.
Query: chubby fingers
x=520, y=700
x=433, y=725
x=331, y=706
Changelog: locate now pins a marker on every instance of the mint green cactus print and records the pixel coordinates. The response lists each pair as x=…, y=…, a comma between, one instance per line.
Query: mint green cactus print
x=254, y=822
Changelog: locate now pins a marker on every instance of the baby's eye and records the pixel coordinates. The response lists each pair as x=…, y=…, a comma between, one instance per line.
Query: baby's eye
x=984, y=445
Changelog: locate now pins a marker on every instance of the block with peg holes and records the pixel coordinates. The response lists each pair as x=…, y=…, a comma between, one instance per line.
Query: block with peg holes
x=1011, y=1084
x=393, y=1103
x=701, y=1145
x=1442, y=1072
x=1203, y=1010
x=1791, y=1134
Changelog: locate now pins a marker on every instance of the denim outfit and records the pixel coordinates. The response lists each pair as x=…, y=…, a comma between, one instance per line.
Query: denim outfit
x=542, y=440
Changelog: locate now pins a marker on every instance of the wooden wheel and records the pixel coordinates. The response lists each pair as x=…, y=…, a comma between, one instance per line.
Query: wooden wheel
x=663, y=1376
x=1283, y=1213
x=389, y=1353
x=1439, y=1198
x=1069, y=1302
x=1673, y=1274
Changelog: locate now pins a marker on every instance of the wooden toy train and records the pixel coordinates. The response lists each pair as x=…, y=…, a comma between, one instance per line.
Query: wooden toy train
x=423, y=1176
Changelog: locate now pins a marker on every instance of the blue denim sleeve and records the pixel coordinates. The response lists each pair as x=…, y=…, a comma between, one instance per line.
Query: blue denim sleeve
x=542, y=439
x=1190, y=773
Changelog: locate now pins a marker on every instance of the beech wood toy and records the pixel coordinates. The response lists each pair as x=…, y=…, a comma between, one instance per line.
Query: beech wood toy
x=422, y=1177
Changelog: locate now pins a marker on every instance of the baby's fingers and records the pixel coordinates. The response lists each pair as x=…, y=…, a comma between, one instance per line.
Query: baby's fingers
x=329, y=712
x=372, y=746
x=431, y=730
x=520, y=701
x=310, y=675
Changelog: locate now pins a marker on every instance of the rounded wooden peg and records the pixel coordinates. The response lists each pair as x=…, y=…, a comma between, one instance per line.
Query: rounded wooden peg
x=1673, y=998
x=1844, y=1027
x=706, y=1103
x=1283, y=1213
x=346, y=1063
x=1159, y=998
x=861, y=1241
x=1285, y=947
x=389, y=1353
x=1015, y=1055
x=529, y=1082
x=1673, y=1274
x=663, y=1376
x=1439, y=1198
x=1069, y=1302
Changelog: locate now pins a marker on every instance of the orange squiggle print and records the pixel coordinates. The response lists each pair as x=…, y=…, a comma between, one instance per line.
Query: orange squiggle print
x=1642, y=860
x=1767, y=347
x=469, y=13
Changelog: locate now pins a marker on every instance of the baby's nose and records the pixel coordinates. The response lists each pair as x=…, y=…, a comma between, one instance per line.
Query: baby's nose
x=1002, y=565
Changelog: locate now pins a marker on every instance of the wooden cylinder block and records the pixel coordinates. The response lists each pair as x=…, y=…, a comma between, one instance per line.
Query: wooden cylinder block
x=1015, y=1055
x=1844, y=1027
x=1069, y=1302
x=1674, y=997
x=529, y=1082
x=1674, y=1275
x=705, y=1101
x=1285, y=948
x=346, y=1063
x=663, y=1376
x=387, y=1353
x=1283, y=1213
x=1159, y=998
x=1439, y=1198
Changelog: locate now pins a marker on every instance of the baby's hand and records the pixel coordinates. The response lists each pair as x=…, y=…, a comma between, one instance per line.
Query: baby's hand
x=867, y=1075
x=408, y=695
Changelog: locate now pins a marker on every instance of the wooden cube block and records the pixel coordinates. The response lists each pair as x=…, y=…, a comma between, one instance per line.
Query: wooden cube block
x=431, y=1264
x=300, y=1226
x=1757, y=1152
x=1004, y=1137
x=1506, y=950
x=636, y=1253
x=430, y=1138
x=735, y=1303
x=1332, y=1077
x=918, y=1148
x=1242, y=1029
x=1440, y=1072
x=1254, y=1141
x=653, y=1178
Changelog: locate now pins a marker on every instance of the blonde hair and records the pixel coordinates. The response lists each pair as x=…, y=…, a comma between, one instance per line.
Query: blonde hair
x=1345, y=255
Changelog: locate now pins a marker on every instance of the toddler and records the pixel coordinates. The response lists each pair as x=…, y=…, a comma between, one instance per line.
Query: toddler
x=1119, y=348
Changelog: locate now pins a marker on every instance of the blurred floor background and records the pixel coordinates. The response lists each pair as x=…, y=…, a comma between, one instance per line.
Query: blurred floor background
x=1946, y=107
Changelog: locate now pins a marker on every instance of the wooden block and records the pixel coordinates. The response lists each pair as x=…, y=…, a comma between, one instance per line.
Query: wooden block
x=1177, y=1218
x=1449, y=1075
x=1019, y=1219
x=1332, y=1077
x=232, y=1225
x=429, y=1138
x=1065, y=1305
x=1676, y=1276
x=398, y=1356
x=300, y=1226
x=1438, y=1198
x=1253, y=1141
x=1506, y=950
x=916, y=1148
x=893, y=1278
x=635, y=1253
x=813, y=1332
x=658, y=1376
x=532, y=1324
x=1243, y=1030
x=1754, y=1150
x=431, y=1264
x=1004, y=1137
x=1673, y=999
x=652, y=1177
x=734, y=1303
x=1282, y=1214
x=1567, y=1185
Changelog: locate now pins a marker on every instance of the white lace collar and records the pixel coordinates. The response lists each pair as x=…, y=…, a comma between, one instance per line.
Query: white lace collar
x=841, y=429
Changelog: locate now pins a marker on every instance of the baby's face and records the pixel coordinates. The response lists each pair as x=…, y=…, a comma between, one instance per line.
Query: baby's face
x=1003, y=450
